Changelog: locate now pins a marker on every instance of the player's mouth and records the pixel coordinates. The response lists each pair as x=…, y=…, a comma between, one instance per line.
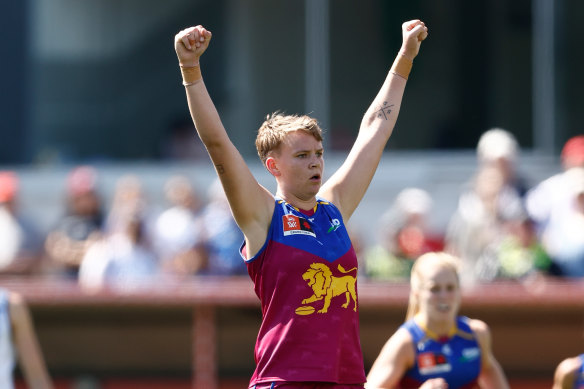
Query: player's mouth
x=315, y=178
x=443, y=307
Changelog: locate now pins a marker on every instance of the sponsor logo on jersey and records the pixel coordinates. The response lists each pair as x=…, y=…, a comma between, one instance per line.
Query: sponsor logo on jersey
x=469, y=354
x=433, y=363
x=335, y=224
x=295, y=225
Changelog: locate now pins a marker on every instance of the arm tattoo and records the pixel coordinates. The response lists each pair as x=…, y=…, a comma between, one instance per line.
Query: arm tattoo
x=384, y=111
x=220, y=169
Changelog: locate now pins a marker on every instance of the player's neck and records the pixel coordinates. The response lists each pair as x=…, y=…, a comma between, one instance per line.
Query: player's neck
x=436, y=328
x=301, y=204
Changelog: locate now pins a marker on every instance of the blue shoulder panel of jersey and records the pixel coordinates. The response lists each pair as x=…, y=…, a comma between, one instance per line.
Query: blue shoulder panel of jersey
x=322, y=234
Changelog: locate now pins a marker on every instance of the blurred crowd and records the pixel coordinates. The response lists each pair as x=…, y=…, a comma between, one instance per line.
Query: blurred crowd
x=503, y=228
x=124, y=245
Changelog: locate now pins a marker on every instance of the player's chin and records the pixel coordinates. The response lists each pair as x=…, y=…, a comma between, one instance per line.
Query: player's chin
x=312, y=190
x=315, y=186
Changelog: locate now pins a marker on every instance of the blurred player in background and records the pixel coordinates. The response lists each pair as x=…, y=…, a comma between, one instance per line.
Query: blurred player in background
x=435, y=347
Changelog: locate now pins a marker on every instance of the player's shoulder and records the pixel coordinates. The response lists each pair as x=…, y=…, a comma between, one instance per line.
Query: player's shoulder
x=481, y=331
x=400, y=346
x=402, y=340
x=477, y=325
x=570, y=365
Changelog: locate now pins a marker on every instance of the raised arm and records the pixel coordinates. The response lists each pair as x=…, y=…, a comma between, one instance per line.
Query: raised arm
x=26, y=344
x=251, y=204
x=347, y=186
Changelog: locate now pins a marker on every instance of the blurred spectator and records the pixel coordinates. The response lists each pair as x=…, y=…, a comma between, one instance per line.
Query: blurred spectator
x=476, y=229
x=563, y=236
x=20, y=241
x=498, y=147
x=493, y=199
x=521, y=254
x=403, y=236
x=81, y=225
x=128, y=200
x=557, y=207
x=179, y=235
x=120, y=261
x=18, y=340
x=223, y=238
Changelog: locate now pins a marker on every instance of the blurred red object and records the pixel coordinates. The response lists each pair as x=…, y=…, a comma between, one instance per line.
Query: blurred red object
x=8, y=186
x=573, y=151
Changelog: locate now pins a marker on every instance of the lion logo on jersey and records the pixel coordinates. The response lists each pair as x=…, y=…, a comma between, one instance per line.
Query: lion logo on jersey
x=326, y=286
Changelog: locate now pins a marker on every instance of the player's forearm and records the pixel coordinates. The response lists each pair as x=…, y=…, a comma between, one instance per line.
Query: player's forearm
x=205, y=116
x=381, y=117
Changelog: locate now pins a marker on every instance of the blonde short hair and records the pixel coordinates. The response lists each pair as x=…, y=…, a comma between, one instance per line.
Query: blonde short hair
x=277, y=125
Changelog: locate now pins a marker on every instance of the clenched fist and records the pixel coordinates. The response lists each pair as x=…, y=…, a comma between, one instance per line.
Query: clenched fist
x=190, y=44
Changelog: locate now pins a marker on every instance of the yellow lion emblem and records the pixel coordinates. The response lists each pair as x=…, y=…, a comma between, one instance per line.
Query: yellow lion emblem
x=325, y=285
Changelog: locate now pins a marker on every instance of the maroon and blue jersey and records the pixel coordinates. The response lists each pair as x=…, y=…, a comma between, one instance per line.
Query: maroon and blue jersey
x=306, y=278
x=456, y=358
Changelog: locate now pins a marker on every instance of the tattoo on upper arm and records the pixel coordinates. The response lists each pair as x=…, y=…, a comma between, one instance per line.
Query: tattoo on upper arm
x=220, y=169
x=384, y=111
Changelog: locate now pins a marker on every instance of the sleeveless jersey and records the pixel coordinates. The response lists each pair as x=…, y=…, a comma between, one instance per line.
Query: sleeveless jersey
x=305, y=276
x=6, y=348
x=579, y=379
x=457, y=359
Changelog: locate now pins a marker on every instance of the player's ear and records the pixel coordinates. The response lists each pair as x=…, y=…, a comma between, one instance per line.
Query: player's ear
x=272, y=166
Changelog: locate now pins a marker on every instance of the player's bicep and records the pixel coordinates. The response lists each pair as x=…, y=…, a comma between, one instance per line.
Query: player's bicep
x=251, y=204
x=247, y=198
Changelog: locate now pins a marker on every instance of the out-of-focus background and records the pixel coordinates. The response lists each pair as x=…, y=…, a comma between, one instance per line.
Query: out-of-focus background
x=99, y=161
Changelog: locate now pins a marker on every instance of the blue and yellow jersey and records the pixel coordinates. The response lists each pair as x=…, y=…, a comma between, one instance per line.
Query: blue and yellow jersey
x=456, y=358
x=306, y=278
x=579, y=378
